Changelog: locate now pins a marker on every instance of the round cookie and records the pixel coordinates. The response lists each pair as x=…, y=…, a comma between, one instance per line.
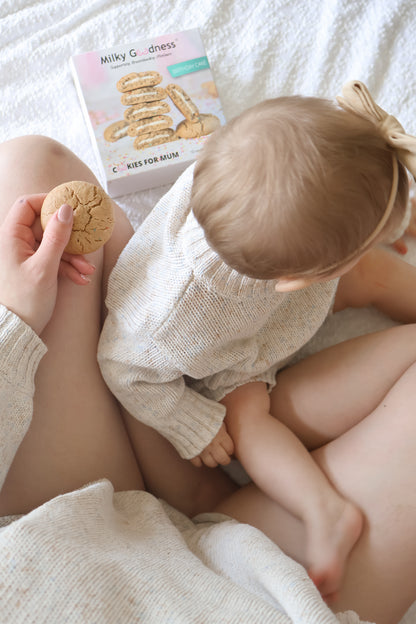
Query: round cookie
x=137, y=80
x=93, y=214
x=151, y=139
x=205, y=124
x=147, y=109
x=183, y=102
x=116, y=131
x=151, y=124
x=143, y=94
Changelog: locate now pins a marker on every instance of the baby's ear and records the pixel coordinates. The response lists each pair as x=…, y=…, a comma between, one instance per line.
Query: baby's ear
x=289, y=284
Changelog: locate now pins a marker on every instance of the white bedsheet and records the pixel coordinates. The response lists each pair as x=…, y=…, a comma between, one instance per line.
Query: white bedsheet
x=256, y=48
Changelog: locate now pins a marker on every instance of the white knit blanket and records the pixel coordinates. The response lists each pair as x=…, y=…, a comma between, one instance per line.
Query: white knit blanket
x=96, y=557
x=256, y=50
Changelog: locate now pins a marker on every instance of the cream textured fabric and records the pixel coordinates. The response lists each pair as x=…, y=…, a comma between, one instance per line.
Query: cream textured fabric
x=175, y=310
x=93, y=556
x=21, y=351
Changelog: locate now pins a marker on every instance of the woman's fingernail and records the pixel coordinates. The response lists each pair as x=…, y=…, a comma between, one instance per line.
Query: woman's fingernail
x=65, y=213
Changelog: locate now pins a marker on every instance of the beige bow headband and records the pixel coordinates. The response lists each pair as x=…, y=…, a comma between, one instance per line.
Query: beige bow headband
x=357, y=99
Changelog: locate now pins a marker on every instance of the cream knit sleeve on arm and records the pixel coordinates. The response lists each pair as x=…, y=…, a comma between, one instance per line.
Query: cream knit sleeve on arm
x=153, y=390
x=20, y=352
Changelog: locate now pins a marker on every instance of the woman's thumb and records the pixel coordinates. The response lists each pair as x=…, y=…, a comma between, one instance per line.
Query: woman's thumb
x=56, y=235
x=65, y=214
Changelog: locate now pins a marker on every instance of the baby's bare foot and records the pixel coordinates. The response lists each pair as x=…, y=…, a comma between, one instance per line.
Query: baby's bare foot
x=330, y=540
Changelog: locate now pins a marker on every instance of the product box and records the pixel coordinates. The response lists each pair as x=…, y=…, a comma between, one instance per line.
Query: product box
x=149, y=107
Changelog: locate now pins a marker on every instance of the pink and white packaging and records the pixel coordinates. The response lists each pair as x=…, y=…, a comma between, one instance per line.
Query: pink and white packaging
x=181, y=60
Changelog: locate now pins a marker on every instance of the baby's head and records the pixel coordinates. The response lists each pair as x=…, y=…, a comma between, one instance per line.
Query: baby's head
x=294, y=187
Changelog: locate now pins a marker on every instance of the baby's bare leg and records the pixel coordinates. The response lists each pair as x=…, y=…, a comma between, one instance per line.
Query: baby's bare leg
x=373, y=465
x=282, y=468
x=77, y=434
x=324, y=396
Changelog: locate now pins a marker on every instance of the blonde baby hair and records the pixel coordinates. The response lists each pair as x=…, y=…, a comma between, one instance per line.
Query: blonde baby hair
x=295, y=186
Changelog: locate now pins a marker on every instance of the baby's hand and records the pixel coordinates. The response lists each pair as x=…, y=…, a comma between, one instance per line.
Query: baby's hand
x=219, y=451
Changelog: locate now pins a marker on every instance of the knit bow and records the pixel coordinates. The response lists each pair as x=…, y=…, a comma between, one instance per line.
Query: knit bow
x=357, y=99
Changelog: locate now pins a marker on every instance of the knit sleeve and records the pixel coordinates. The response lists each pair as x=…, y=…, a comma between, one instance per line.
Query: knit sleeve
x=20, y=352
x=153, y=390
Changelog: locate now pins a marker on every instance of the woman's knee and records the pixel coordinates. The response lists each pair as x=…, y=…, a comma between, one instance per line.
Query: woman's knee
x=37, y=150
x=35, y=164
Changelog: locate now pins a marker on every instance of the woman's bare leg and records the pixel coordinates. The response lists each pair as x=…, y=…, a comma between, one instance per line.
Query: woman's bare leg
x=77, y=435
x=191, y=490
x=326, y=394
x=374, y=465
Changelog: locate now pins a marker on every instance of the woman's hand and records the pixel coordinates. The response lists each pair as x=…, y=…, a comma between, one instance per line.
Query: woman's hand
x=30, y=260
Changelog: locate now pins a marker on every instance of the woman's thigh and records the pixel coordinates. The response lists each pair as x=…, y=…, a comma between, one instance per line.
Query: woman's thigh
x=374, y=465
x=77, y=433
x=326, y=394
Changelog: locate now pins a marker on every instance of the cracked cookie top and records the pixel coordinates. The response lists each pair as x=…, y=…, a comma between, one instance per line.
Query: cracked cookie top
x=93, y=214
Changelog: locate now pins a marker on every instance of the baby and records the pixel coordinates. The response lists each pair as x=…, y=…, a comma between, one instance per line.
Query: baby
x=233, y=271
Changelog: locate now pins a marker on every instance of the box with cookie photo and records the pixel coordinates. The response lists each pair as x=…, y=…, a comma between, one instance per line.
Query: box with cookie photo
x=149, y=107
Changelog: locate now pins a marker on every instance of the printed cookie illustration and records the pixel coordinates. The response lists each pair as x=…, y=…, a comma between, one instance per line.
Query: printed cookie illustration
x=211, y=88
x=206, y=124
x=116, y=131
x=145, y=118
x=154, y=138
x=138, y=80
x=183, y=102
x=147, y=109
x=93, y=214
x=144, y=94
x=149, y=124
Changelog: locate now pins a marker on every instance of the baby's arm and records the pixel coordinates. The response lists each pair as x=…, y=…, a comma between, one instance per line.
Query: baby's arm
x=151, y=388
x=220, y=450
x=383, y=280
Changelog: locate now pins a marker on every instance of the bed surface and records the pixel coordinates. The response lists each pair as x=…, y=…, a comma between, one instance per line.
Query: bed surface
x=256, y=50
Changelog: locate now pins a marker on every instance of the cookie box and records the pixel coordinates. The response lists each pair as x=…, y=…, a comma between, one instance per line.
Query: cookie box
x=149, y=107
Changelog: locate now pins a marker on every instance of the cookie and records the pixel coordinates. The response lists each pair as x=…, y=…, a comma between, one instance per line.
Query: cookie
x=116, y=131
x=183, y=102
x=151, y=124
x=137, y=80
x=204, y=125
x=154, y=138
x=93, y=214
x=145, y=94
x=211, y=88
x=147, y=109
